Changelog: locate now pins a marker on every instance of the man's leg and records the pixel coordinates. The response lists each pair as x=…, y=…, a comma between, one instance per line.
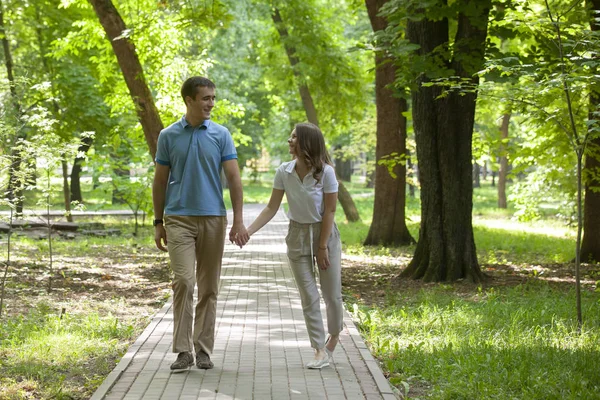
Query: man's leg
x=181, y=235
x=209, y=252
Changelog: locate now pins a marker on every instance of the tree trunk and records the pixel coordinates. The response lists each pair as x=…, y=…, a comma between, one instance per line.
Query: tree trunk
x=443, y=131
x=86, y=144
x=347, y=204
x=503, y=172
x=388, y=226
x=311, y=112
x=590, y=245
x=343, y=169
x=15, y=186
x=476, y=175
x=66, y=191
x=411, y=175
x=371, y=177
x=132, y=70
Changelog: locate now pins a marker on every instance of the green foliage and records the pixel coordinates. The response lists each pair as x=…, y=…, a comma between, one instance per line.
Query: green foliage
x=452, y=63
x=123, y=168
x=316, y=33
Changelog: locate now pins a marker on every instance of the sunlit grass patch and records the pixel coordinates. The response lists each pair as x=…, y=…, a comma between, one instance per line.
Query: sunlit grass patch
x=49, y=356
x=501, y=343
x=520, y=242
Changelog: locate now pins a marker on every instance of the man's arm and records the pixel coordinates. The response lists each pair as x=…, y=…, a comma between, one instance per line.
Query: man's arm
x=238, y=233
x=159, y=192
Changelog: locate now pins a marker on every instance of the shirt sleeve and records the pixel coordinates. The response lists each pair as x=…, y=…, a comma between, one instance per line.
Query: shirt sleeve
x=330, y=183
x=228, y=151
x=162, y=150
x=278, y=181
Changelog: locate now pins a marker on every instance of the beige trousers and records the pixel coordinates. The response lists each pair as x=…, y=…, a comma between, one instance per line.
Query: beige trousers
x=302, y=245
x=196, y=250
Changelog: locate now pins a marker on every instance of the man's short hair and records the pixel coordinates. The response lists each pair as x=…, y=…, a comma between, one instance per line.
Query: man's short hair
x=190, y=86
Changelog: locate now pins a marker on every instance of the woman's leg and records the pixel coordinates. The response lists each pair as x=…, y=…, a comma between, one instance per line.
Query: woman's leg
x=331, y=287
x=298, y=243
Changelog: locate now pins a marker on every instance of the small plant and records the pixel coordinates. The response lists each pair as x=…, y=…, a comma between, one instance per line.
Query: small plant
x=49, y=150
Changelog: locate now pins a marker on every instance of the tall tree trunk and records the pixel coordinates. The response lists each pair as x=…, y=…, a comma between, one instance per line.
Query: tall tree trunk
x=343, y=169
x=132, y=70
x=370, y=177
x=503, y=172
x=388, y=226
x=85, y=145
x=476, y=175
x=411, y=175
x=344, y=196
x=590, y=245
x=15, y=184
x=66, y=191
x=443, y=131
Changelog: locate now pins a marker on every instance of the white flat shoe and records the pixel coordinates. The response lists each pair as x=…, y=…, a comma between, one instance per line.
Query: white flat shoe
x=318, y=364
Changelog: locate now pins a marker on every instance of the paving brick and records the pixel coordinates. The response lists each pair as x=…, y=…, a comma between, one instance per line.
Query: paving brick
x=261, y=344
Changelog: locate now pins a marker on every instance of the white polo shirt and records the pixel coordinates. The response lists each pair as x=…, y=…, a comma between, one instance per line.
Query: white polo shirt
x=305, y=198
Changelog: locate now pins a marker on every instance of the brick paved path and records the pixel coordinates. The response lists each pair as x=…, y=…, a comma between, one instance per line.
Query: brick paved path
x=261, y=341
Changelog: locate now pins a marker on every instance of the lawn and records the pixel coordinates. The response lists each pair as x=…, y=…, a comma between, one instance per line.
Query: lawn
x=513, y=337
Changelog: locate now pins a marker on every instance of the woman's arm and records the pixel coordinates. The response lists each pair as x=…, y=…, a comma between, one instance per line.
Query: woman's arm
x=268, y=212
x=330, y=202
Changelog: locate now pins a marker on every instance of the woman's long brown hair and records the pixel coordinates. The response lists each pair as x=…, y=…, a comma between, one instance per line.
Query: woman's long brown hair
x=312, y=147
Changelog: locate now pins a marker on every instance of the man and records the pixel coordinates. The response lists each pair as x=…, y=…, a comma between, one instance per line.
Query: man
x=191, y=219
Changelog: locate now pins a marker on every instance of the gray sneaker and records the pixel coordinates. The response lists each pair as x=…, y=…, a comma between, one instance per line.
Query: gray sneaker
x=183, y=362
x=203, y=360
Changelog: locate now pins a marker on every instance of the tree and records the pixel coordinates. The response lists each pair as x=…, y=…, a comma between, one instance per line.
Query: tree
x=503, y=171
x=554, y=88
x=344, y=196
x=590, y=245
x=443, y=123
x=131, y=68
x=388, y=226
x=15, y=187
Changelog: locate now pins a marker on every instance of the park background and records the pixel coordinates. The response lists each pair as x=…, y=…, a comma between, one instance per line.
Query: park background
x=464, y=135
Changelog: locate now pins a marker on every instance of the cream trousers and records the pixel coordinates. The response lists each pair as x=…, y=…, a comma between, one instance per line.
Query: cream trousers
x=302, y=245
x=196, y=250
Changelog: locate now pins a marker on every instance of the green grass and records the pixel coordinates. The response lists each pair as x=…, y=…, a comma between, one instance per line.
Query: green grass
x=58, y=357
x=439, y=341
x=501, y=343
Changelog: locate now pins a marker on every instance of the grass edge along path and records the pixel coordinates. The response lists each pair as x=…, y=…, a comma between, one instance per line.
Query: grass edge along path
x=518, y=342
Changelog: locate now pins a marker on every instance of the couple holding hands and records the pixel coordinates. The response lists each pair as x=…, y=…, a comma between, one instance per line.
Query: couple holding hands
x=191, y=221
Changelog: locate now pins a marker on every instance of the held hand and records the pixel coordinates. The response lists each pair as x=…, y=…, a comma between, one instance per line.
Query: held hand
x=323, y=258
x=239, y=235
x=160, y=237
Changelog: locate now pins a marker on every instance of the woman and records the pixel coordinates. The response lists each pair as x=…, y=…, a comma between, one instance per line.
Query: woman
x=311, y=187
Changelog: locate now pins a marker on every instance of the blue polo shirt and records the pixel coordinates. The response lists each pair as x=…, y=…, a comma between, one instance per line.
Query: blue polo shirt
x=195, y=156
